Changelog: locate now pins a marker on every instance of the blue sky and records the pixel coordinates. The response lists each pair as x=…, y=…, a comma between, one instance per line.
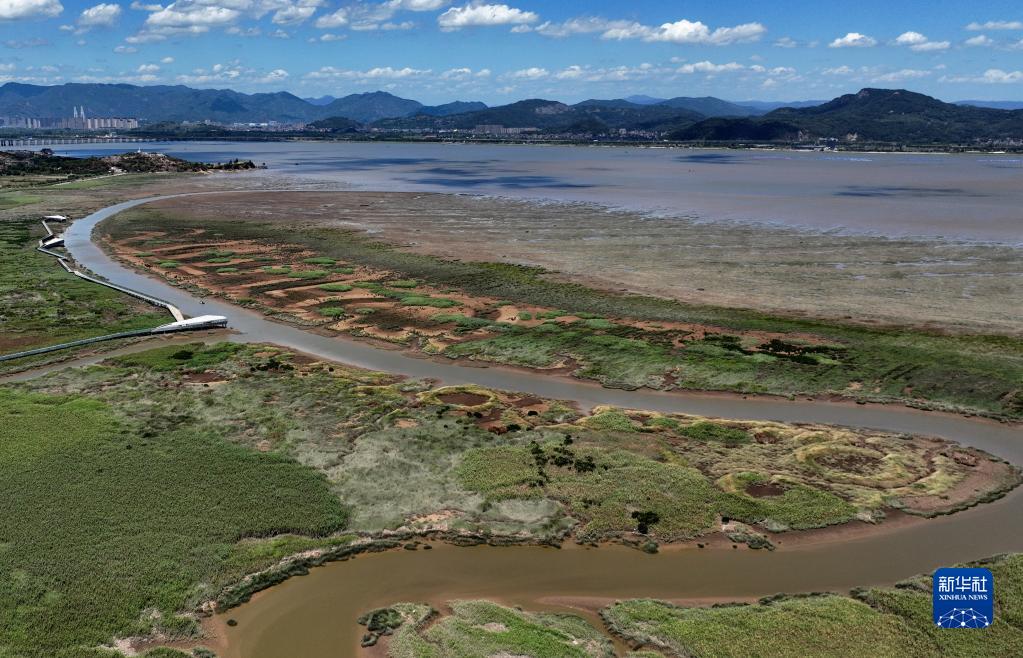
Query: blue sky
x=436, y=51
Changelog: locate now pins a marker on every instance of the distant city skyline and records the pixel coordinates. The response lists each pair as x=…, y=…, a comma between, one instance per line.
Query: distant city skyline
x=436, y=51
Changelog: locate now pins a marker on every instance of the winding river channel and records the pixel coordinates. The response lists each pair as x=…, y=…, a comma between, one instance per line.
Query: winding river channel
x=313, y=616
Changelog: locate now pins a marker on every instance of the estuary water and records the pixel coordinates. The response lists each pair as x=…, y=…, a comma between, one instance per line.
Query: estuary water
x=314, y=615
x=973, y=197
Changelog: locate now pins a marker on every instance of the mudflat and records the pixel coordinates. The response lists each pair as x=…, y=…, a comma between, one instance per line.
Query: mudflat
x=946, y=285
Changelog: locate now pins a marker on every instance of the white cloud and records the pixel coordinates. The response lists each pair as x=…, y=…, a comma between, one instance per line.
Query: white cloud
x=125, y=50
x=378, y=73
x=981, y=40
x=299, y=12
x=532, y=73
x=688, y=32
x=696, y=32
x=167, y=60
x=189, y=16
x=919, y=43
x=710, y=67
x=101, y=15
x=34, y=42
x=464, y=73
x=990, y=76
x=475, y=15
x=277, y=75
x=786, y=42
x=998, y=76
x=250, y=32
x=853, y=40
x=900, y=76
x=330, y=21
x=138, y=6
x=13, y=10
x=910, y=39
x=418, y=5
x=147, y=68
x=839, y=70
x=573, y=26
x=995, y=25
x=327, y=37
x=931, y=46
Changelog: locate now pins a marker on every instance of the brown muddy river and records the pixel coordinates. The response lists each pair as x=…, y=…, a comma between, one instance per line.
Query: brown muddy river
x=314, y=616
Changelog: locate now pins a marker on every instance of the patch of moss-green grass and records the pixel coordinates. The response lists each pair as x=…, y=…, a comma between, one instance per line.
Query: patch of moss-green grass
x=464, y=322
x=796, y=627
x=168, y=264
x=403, y=283
x=227, y=270
x=424, y=300
x=103, y=523
x=335, y=287
x=797, y=507
x=481, y=629
x=269, y=269
x=615, y=361
x=332, y=311
x=310, y=274
x=911, y=601
x=41, y=304
x=10, y=200
x=173, y=357
x=219, y=260
x=602, y=488
x=708, y=431
x=319, y=260
x=880, y=621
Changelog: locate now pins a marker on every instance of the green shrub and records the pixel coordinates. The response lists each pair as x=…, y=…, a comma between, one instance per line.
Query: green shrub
x=436, y=302
x=335, y=287
x=310, y=274
x=707, y=431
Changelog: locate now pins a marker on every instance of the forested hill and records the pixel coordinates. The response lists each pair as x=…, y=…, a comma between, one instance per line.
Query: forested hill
x=882, y=115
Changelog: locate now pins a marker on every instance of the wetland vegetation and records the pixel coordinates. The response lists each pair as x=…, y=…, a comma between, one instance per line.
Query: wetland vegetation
x=888, y=621
x=41, y=304
x=525, y=317
x=151, y=484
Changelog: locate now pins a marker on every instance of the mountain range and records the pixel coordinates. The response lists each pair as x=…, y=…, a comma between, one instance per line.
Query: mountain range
x=869, y=115
x=883, y=115
x=160, y=103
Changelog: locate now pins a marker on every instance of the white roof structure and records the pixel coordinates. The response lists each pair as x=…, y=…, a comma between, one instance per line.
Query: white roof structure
x=57, y=218
x=200, y=322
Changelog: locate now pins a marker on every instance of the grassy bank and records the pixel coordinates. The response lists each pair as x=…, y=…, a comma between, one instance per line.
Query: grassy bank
x=480, y=629
x=114, y=527
x=142, y=487
x=41, y=304
x=874, y=621
x=523, y=316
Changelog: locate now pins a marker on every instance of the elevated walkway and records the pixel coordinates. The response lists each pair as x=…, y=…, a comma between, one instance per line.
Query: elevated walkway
x=180, y=323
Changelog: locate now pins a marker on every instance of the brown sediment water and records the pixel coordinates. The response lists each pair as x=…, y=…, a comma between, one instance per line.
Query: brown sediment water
x=314, y=615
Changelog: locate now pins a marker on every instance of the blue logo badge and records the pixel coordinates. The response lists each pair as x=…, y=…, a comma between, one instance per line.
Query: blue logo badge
x=963, y=598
